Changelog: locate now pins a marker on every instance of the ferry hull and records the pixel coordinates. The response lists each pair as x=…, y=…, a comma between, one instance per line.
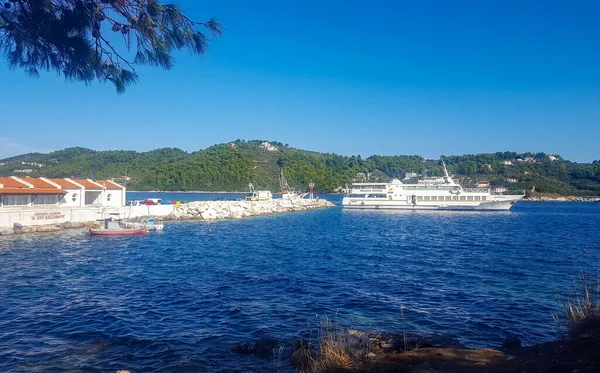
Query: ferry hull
x=504, y=205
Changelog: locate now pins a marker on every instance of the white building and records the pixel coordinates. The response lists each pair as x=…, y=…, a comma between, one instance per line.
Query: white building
x=410, y=175
x=30, y=192
x=483, y=184
x=268, y=147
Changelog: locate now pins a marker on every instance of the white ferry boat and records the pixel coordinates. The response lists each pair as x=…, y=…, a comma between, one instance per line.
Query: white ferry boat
x=431, y=193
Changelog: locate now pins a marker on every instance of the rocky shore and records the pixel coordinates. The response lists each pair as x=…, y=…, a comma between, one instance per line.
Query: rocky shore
x=212, y=210
x=354, y=351
x=559, y=198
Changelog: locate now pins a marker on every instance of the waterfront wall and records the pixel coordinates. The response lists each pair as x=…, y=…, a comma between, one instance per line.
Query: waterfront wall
x=65, y=216
x=30, y=216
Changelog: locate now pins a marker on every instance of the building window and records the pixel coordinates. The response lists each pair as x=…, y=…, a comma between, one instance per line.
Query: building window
x=16, y=201
x=44, y=200
x=108, y=197
x=74, y=197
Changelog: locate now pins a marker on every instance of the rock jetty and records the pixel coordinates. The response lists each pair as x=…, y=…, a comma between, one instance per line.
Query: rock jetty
x=557, y=198
x=212, y=210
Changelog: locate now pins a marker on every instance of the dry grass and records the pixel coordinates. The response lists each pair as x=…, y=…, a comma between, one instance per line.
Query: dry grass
x=583, y=315
x=337, y=349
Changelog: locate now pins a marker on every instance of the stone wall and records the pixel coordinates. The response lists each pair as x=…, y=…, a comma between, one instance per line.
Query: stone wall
x=28, y=220
x=211, y=210
x=38, y=216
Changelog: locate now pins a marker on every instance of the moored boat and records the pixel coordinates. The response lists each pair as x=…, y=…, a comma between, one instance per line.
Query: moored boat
x=118, y=232
x=150, y=224
x=113, y=228
x=433, y=193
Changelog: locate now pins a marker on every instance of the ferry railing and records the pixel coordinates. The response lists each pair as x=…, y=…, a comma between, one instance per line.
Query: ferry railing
x=476, y=190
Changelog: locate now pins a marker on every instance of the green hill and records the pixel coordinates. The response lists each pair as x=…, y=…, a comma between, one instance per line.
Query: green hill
x=229, y=167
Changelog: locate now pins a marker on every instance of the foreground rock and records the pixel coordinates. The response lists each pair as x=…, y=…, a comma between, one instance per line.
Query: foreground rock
x=213, y=210
x=437, y=354
x=265, y=347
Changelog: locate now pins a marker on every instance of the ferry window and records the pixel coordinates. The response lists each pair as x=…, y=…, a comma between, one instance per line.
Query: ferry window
x=477, y=198
x=483, y=198
x=108, y=197
x=440, y=198
x=74, y=197
x=455, y=198
x=462, y=198
x=426, y=198
x=469, y=198
x=419, y=198
x=433, y=198
x=448, y=198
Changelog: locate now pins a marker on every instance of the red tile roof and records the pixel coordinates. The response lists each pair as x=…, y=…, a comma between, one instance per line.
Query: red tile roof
x=87, y=184
x=65, y=184
x=12, y=186
x=109, y=184
x=9, y=182
x=6, y=191
x=38, y=183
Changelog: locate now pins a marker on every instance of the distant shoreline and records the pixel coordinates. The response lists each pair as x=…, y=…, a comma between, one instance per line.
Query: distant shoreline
x=199, y=191
x=179, y=191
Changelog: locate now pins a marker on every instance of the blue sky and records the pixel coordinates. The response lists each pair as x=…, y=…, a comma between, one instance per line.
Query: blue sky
x=350, y=77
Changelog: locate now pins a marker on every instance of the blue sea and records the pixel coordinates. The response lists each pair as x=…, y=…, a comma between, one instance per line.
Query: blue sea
x=180, y=300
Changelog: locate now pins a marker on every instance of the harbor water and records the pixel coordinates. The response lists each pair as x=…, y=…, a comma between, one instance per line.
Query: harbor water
x=180, y=300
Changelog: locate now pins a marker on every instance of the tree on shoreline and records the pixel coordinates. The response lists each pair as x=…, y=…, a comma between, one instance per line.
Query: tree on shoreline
x=104, y=40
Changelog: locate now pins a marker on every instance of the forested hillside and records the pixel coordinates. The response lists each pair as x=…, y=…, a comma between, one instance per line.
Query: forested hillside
x=230, y=167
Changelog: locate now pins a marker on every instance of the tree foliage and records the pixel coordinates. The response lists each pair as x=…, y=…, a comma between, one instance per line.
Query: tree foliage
x=104, y=40
x=230, y=167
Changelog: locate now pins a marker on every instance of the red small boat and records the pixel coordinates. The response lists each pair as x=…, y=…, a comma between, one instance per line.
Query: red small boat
x=118, y=232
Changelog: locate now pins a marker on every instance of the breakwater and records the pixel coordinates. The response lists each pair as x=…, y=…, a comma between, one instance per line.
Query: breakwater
x=22, y=221
x=558, y=198
x=212, y=210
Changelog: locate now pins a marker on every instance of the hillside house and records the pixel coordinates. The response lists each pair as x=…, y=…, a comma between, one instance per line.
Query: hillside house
x=483, y=184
